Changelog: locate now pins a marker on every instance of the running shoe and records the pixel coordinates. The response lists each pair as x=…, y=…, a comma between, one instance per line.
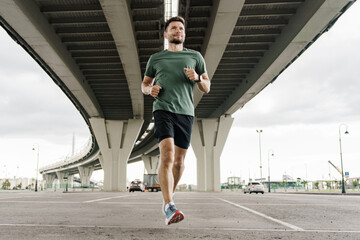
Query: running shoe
x=163, y=203
x=173, y=215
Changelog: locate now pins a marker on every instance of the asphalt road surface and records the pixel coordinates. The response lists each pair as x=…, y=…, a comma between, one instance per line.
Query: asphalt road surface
x=226, y=215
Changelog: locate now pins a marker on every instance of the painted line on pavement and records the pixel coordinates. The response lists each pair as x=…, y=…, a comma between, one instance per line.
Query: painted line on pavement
x=297, y=204
x=293, y=227
x=62, y=202
x=154, y=203
x=18, y=197
x=42, y=202
x=103, y=199
x=180, y=228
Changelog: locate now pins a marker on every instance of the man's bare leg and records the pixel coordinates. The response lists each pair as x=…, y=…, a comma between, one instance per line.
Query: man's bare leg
x=179, y=166
x=166, y=178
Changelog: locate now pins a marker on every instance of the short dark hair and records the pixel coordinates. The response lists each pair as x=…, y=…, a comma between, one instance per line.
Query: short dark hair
x=174, y=19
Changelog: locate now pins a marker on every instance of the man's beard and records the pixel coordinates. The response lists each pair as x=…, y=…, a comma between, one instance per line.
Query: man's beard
x=176, y=41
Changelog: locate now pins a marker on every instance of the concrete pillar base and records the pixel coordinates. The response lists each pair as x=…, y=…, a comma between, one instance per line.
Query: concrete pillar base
x=70, y=181
x=85, y=175
x=61, y=176
x=49, y=178
x=208, y=140
x=116, y=140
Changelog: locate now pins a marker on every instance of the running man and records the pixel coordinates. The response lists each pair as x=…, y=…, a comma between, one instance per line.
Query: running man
x=170, y=77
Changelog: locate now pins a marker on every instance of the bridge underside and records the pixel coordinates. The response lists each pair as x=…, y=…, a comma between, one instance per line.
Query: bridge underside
x=96, y=51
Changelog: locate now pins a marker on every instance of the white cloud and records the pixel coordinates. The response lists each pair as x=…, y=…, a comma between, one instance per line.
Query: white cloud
x=33, y=110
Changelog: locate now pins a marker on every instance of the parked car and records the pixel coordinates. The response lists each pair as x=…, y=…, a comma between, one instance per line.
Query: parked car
x=136, y=185
x=254, y=187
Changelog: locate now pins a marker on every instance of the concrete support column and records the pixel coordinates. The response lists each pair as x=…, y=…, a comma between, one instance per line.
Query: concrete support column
x=60, y=176
x=70, y=181
x=116, y=140
x=208, y=140
x=85, y=175
x=49, y=178
x=151, y=164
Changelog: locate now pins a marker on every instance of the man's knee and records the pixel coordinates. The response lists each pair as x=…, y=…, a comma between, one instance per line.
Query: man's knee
x=179, y=160
x=178, y=165
x=167, y=152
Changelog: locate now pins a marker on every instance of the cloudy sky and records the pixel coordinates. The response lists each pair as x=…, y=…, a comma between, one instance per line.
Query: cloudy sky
x=299, y=114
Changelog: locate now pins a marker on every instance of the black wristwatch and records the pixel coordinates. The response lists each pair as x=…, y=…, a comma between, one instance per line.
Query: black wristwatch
x=197, y=81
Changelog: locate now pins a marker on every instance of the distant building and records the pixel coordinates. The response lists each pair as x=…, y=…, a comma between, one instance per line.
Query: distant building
x=287, y=178
x=22, y=183
x=186, y=187
x=182, y=187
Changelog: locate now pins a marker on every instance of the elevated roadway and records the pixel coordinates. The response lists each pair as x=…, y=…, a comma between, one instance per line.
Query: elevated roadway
x=96, y=51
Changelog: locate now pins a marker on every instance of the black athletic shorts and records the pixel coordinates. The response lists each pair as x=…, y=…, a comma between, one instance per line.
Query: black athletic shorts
x=172, y=125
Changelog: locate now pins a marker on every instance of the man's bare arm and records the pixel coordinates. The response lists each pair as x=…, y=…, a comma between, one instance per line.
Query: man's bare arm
x=205, y=83
x=147, y=87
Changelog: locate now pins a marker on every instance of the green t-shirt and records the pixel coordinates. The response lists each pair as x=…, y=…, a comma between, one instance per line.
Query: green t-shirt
x=167, y=68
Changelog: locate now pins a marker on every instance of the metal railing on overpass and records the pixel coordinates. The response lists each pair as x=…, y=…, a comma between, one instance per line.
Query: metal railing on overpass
x=81, y=154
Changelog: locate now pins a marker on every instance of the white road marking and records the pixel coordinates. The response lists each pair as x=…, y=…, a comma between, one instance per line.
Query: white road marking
x=42, y=202
x=103, y=199
x=293, y=227
x=180, y=228
x=154, y=203
x=64, y=202
x=297, y=204
x=18, y=197
x=114, y=203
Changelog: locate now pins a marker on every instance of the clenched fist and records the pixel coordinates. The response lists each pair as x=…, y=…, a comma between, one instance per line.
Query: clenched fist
x=192, y=75
x=154, y=92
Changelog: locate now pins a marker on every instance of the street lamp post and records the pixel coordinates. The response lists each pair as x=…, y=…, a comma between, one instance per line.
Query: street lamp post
x=260, y=131
x=37, y=166
x=272, y=154
x=342, y=168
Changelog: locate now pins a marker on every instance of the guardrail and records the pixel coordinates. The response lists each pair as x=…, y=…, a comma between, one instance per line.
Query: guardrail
x=85, y=151
x=82, y=153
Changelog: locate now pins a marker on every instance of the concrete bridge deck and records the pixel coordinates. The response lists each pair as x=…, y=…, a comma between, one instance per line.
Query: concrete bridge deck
x=225, y=215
